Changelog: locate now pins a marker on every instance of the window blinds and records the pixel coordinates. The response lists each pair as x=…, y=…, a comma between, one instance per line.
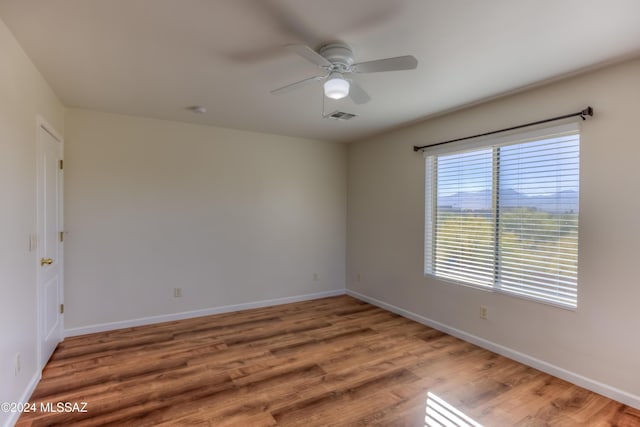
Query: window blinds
x=504, y=215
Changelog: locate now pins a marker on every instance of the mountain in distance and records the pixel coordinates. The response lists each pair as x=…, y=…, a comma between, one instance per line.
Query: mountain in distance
x=559, y=202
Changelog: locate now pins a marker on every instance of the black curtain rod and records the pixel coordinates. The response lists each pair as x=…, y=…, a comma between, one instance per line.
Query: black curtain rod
x=583, y=114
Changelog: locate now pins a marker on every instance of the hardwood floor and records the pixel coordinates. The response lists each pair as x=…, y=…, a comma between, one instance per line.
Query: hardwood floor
x=329, y=362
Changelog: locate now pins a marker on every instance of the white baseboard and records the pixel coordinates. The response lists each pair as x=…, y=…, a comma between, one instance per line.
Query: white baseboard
x=102, y=327
x=582, y=381
x=26, y=395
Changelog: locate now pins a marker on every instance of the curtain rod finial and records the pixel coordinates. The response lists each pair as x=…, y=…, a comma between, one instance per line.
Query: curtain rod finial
x=586, y=112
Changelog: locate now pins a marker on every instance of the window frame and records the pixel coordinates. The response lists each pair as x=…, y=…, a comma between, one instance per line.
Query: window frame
x=431, y=194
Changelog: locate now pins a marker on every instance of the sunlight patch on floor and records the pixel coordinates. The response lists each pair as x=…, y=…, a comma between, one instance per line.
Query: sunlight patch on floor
x=440, y=413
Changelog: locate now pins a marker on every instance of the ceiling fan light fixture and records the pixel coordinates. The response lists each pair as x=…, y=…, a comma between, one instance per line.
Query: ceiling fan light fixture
x=336, y=87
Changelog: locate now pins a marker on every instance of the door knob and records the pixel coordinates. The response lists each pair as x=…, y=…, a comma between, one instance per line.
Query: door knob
x=46, y=261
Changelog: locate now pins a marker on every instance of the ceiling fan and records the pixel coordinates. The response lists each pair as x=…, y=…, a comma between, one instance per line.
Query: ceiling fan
x=336, y=59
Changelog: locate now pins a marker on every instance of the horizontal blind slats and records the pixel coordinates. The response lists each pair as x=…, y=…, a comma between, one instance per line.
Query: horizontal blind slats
x=530, y=206
x=538, y=251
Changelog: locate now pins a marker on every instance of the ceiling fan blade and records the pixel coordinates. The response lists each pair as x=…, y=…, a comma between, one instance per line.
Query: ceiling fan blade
x=357, y=94
x=407, y=62
x=296, y=85
x=309, y=54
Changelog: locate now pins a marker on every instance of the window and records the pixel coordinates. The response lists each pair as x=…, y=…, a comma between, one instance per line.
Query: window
x=503, y=214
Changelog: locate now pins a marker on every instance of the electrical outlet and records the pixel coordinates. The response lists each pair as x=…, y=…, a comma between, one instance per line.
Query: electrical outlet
x=18, y=364
x=315, y=277
x=177, y=292
x=483, y=312
x=358, y=277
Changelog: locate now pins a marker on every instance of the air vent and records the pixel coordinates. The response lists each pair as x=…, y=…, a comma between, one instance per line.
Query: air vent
x=340, y=115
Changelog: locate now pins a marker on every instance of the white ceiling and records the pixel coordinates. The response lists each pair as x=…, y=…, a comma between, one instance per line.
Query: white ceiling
x=153, y=58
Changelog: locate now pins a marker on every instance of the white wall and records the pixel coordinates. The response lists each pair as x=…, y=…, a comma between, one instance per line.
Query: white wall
x=24, y=94
x=386, y=226
x=231, y=217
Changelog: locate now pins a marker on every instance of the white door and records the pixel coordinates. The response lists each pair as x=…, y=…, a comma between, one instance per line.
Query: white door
x=50, y=254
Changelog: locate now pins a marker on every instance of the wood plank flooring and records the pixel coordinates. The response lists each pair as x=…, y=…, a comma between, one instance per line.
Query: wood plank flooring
x=329, y=362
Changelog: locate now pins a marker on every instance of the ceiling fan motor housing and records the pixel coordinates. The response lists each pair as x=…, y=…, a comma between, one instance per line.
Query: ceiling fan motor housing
x=339, y=54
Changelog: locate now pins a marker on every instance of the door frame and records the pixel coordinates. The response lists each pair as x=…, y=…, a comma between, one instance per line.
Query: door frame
x=43, y=125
